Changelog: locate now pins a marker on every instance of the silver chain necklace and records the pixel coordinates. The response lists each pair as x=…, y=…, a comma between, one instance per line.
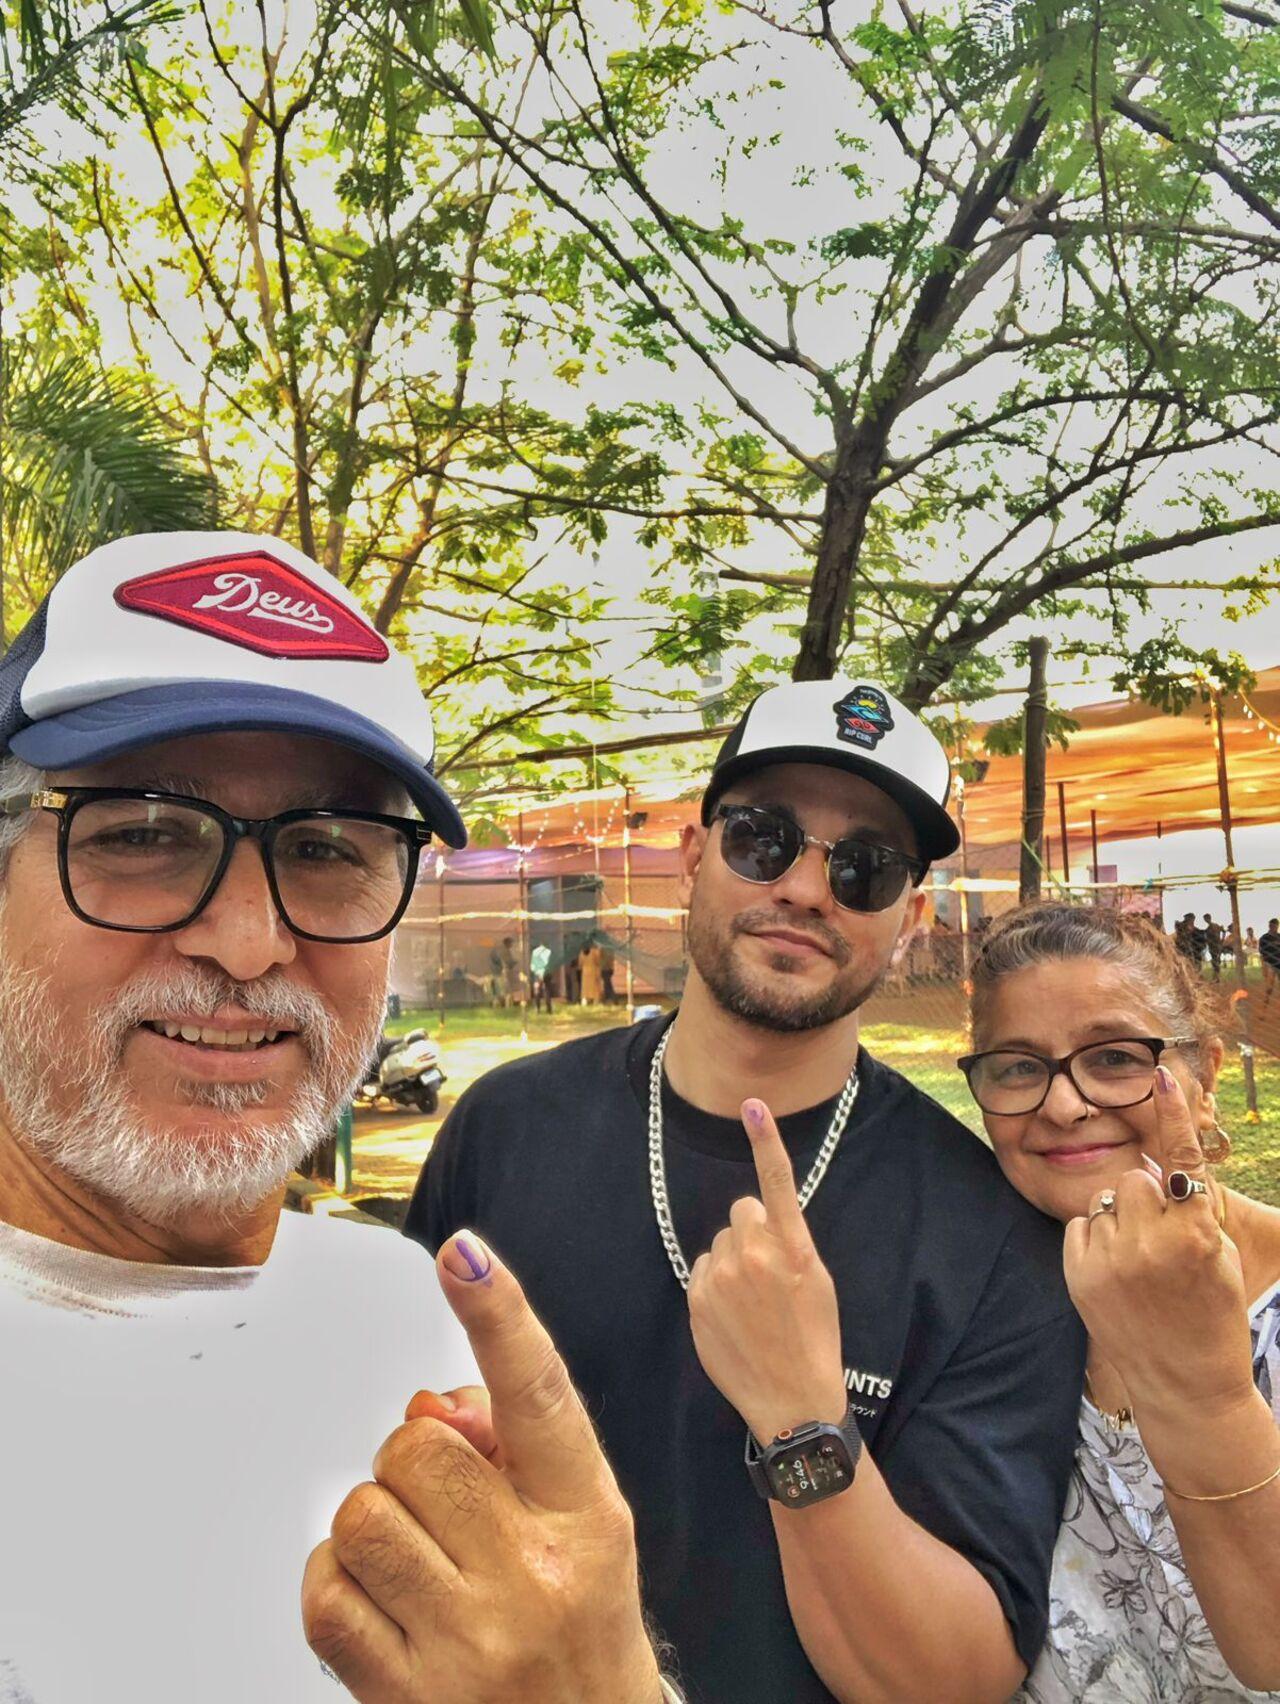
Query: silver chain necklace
x=658, y=1164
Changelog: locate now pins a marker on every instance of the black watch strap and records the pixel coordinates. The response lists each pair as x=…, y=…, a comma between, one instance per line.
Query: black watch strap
x=754, y=1455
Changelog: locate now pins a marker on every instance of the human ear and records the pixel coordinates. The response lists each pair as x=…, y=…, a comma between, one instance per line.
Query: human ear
x=1205, y=1106
x=912, y=913
x=693, y=841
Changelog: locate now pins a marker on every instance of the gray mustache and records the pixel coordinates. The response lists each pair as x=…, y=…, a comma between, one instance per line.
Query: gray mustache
x=279, y=1003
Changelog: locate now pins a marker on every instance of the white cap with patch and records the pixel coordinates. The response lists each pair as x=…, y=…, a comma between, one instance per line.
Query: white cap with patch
x=851, y=724
x=161, y=635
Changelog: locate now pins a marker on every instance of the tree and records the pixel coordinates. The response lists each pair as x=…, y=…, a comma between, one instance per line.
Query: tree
x=84, y=455
x=333, y=275
x=62, y=52
x=1031, y=340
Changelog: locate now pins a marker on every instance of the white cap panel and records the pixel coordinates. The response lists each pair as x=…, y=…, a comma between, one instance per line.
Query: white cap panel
x=807, y=713
x=95, y=648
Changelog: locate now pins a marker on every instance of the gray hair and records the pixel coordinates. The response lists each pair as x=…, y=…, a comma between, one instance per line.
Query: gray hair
x=16, y=778
x=1159, y=975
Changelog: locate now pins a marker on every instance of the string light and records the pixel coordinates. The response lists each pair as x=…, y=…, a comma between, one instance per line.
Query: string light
x=1265, y=724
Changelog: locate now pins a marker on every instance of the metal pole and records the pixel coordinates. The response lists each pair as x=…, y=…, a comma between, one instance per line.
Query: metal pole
x=524, y=929
x=1031, y=857
x=440, y=935
x=1062, y=824
x=1233, y=896
x=965, y=960
x=1093, y=840
x=626, y=900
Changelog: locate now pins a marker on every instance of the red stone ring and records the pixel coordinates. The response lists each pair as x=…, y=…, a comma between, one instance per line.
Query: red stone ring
x=1182, y=1186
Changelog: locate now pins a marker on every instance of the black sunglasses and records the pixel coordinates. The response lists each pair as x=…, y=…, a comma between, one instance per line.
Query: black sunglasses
x=150, y=862
x=760, y=844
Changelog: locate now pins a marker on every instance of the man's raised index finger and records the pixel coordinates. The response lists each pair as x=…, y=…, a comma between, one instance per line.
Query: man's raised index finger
x=549, y=1448
x=773, y=1169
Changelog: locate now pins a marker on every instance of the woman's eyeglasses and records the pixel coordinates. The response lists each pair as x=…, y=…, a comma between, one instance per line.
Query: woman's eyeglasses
x=760, y=844
x=150, y=862
x=1111, y=1074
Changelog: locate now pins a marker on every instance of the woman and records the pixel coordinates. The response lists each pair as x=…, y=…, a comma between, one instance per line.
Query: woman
x=1095, y=1067
x=592, y=979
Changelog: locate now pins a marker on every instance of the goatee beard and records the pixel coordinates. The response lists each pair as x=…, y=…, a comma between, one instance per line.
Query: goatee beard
x=768, y=1007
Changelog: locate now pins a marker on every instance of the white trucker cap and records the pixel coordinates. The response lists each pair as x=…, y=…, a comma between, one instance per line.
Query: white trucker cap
x=856, y=725
x=164, y=634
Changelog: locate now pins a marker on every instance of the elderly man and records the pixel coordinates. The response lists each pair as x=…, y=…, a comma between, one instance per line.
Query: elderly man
x=846, y=1432
x=211, y=760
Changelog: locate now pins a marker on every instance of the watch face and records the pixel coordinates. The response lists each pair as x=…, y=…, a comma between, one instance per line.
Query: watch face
x=810, y=1470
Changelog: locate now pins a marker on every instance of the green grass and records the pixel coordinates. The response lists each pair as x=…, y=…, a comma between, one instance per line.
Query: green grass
x=928, y=1058
x=498, y=1021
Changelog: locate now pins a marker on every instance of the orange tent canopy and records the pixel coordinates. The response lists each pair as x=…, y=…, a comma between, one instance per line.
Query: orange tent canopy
x=1144, y=772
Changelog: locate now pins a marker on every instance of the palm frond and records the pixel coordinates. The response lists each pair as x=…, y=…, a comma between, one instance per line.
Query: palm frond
x=58, y=50
x=84, y=458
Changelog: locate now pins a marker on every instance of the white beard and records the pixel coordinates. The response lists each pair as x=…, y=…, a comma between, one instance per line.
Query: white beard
x=68, y=1103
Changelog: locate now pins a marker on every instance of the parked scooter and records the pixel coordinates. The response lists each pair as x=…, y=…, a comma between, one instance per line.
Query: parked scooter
x=405, y=1071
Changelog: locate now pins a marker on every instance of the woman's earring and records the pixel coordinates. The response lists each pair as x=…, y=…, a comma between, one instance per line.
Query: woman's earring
x=1217, y=1145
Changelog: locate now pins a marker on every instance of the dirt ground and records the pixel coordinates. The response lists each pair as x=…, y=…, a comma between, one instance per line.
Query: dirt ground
x=388, y=1148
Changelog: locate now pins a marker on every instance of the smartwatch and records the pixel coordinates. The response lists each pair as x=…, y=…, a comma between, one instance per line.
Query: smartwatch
x=806, y=1463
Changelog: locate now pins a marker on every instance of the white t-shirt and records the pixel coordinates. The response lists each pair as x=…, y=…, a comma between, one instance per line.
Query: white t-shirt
x=173, y=1443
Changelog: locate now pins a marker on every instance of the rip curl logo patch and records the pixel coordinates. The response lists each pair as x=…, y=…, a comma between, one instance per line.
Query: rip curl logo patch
x=256, y=601
x=863, y=717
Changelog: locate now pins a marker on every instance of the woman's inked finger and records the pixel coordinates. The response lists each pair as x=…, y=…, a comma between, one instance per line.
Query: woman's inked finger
x=1177, y=1146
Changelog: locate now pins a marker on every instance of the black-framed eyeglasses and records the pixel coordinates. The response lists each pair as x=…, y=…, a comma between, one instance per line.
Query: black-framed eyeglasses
x=1116, y=1073
x=760, y=844
x=149, y=862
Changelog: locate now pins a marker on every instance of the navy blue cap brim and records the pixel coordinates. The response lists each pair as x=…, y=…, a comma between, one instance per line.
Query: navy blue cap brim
x=112, y=727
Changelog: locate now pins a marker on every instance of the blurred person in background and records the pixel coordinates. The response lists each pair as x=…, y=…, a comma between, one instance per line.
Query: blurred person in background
x=1096, y=1068
x=592, y=974
x=1269, y=955
x=539, y=966
x=1215, y=940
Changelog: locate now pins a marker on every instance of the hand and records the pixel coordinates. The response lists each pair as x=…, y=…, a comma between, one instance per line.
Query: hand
x=483, y=1580
x=1159, y=1285
x=766, y=1324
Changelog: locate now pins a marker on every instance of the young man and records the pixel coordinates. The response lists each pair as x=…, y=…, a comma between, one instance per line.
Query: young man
x=1269, y=955
x=539, y=966
x=211, y=760
x=848, y=1445
x=1213, y=938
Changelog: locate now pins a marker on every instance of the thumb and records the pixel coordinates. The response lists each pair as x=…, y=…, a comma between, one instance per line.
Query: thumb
x=549, y=1449
x=466, y=1410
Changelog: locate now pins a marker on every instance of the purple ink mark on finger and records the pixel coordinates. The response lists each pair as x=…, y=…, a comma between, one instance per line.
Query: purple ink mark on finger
x=480, y=1265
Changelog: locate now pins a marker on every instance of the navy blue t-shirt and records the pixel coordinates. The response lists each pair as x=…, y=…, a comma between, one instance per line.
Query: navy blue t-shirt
x=963, y=1355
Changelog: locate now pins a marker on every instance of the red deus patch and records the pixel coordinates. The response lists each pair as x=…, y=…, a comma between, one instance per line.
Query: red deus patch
x=258, y=602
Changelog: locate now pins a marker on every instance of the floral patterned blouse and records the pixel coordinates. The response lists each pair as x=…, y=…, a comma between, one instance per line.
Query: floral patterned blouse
x=1124, y=1624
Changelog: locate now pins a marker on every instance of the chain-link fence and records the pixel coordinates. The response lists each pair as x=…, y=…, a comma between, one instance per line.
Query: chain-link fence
x=607, y=925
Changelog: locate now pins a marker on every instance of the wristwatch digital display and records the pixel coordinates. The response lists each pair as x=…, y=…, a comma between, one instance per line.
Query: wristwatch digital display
x=806, y=1463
